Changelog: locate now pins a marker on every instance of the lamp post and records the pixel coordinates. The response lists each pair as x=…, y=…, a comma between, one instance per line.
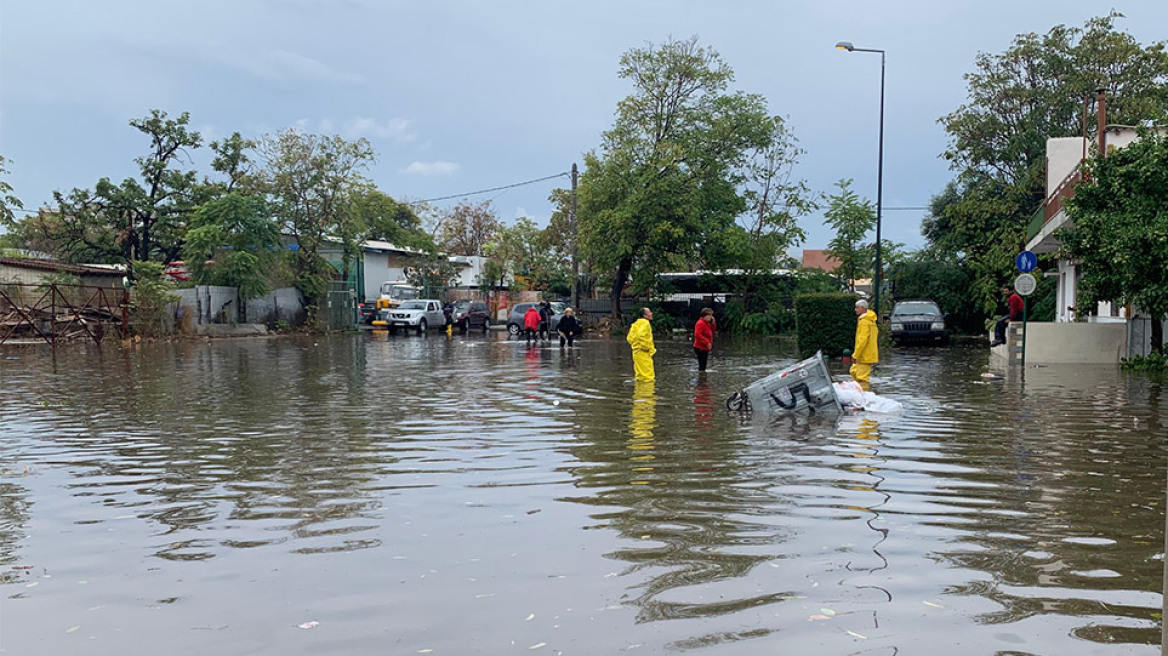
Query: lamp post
x=847, y=45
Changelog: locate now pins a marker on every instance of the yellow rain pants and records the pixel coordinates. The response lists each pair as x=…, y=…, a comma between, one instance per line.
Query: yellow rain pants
x=640, y=338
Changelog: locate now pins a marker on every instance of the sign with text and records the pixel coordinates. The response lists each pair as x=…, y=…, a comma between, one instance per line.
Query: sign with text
x=1025, y=284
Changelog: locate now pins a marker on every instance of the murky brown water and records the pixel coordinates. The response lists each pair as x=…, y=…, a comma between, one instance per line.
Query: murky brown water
x=471, y=496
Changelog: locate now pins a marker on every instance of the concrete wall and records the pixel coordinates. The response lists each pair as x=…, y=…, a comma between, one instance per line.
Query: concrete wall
x=1066, y=343
x=1063, y=154
x=283, y=304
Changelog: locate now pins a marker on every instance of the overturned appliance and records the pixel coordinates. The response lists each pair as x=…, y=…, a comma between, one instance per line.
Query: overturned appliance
x=803, y=386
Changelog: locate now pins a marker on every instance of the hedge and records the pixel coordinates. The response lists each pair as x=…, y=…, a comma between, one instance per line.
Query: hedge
x=825, y=322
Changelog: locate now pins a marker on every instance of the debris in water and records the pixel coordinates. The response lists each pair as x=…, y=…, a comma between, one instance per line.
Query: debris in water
x=308, y=625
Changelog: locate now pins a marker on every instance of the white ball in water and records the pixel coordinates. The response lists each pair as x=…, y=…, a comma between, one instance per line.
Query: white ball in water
x=555, y=402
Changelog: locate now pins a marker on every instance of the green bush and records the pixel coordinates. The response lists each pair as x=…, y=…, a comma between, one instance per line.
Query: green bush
x=825, y=322
x=1150, y=362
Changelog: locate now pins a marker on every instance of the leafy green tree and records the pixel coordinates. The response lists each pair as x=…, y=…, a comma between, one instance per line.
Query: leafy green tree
x=140, y=219
x=1120, y=229
x=9, y=203
x=665, y=179
x=233, y=242
x=852, y=218
x=385, y=219
x=1017, y=99
x=310, y=181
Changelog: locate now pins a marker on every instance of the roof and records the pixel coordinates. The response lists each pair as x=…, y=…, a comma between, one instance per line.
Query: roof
x=819, y=259
x=63, y=267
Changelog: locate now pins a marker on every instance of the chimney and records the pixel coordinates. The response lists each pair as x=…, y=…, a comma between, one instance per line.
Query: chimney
x=1102, y=107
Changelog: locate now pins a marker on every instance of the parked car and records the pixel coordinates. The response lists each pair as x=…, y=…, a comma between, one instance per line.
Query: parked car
x=918, y=320
x=471, y=314
x=515, y=318
x=367, y=311
x=419, y=314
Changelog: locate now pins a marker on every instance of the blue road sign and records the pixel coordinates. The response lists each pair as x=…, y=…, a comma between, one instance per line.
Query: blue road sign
x=1026, y=261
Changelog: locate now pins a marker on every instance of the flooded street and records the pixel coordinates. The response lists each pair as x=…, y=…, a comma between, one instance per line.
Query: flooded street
x=371, y=495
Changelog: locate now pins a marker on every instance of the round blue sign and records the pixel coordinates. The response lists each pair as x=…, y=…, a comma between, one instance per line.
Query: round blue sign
x=1026, y=261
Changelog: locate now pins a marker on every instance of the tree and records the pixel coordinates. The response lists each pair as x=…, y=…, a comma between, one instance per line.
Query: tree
x=1119, y=229
x=467, y=229
x=852, y=218
x=233, y=242
x=310, y=181
x=386, y=219
x=1018, y=99
x=141, y=219
x=664, y=181
x=9, y=203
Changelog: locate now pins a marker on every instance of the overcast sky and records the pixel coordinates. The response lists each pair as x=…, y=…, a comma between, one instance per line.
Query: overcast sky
x=458, y=96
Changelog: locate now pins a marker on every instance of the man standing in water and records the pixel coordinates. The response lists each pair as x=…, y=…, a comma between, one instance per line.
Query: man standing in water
x=640, y=337
x=865, y=354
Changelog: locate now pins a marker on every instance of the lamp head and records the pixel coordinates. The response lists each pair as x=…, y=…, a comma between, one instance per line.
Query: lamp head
x=845, y=45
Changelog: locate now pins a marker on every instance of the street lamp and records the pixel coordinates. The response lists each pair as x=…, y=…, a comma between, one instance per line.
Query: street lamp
x=847, y=45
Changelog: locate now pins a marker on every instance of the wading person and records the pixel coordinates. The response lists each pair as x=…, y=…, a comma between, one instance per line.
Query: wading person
x=531, y=323
x=704, y=337
x=640, y=337
x=568, y=328
x=545, y=320
x=1016, y=304
x=865, y=354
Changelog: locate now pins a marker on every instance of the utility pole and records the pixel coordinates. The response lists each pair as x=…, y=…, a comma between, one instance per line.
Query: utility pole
x=575, y=247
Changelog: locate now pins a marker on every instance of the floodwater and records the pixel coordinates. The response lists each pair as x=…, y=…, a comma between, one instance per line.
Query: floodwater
x=364, y=494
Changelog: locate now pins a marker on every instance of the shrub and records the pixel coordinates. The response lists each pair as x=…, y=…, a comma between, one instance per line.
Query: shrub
x=825, y=322
x=1150, y=362
x=151, y=297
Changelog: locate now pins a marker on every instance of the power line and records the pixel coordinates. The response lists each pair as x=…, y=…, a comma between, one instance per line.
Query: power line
x=487, y=191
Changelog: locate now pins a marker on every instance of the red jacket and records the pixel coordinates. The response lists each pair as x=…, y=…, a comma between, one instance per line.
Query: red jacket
x=704, y=335
x=531, y=319
x=1016, y=307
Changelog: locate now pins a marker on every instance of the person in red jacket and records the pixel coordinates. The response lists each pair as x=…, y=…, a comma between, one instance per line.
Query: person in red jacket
x=1017, y=308
x=531, y=323
x=704, y=337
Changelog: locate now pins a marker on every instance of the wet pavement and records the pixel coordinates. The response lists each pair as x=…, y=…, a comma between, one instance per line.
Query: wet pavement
x=371, y=495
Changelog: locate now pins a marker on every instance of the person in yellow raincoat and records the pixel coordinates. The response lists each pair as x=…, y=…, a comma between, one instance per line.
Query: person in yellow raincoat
x=641, y=339
x=865, y=354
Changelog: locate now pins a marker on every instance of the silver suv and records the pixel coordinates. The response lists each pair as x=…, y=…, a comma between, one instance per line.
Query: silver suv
x=419, y=314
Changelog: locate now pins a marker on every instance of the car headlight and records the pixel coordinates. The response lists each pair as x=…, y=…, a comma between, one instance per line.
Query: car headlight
x=937, y=325
x=897, y=326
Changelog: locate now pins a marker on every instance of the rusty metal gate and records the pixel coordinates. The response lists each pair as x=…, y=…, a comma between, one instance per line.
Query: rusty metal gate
x=55, y=313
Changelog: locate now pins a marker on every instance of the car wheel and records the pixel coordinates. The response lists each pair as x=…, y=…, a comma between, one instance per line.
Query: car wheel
x=513, y=328
x=421, y=326
x=486, y=325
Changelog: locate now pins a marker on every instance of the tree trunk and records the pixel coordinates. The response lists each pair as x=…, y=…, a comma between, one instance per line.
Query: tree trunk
x=618, y=286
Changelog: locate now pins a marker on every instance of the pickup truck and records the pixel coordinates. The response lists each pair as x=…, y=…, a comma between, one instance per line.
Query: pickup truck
x=418, y=314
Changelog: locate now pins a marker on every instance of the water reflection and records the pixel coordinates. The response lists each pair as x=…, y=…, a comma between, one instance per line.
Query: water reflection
x=476, y=481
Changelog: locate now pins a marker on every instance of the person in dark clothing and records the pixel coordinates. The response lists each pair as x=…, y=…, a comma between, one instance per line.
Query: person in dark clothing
x=1017, y=308
x=704, y=337
x=568, y=328
x=545, y=319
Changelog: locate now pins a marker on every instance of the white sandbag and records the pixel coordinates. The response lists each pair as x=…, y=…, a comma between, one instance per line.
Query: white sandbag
x=851, y=395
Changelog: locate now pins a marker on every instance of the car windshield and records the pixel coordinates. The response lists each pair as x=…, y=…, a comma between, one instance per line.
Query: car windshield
x=461, y=305
x=916, y=308
x=558, y=307
x=412, y=305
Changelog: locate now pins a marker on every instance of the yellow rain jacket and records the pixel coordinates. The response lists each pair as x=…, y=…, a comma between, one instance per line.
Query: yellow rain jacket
x=640, y=337
x=865, y=355
x=866, y=331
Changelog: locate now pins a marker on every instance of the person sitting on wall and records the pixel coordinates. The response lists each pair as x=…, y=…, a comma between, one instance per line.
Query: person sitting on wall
x=1017, y=306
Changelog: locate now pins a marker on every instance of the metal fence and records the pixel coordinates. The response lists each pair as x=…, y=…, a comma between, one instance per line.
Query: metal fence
x=341, y=305
x=53, y=313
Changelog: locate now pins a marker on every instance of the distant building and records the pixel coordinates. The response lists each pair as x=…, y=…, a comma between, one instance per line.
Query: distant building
x=819, y=259
x=30, y=271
